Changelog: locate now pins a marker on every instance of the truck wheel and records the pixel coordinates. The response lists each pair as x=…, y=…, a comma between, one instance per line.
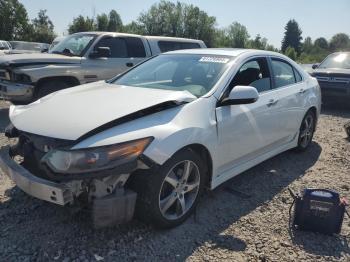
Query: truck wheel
x=49, y=87
x=168, y=196
x=306, y=131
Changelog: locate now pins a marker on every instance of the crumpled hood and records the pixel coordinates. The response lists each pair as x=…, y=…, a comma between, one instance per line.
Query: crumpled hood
x=72, y=113
x=15, y=60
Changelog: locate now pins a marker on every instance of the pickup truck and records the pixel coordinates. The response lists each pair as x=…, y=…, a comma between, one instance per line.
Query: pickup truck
x=80, y=58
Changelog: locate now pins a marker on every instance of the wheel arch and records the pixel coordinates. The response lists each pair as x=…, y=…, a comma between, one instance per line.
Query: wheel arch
x=203, y=152
x=71, y=80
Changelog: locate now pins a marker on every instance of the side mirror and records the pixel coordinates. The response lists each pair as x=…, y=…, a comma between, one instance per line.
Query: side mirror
x=45, y=50
x=100, y=52
x=314, y=66
x=241, y=95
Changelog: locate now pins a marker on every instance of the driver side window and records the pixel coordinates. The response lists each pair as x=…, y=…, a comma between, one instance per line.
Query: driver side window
x=117, y=46
x=254, y=73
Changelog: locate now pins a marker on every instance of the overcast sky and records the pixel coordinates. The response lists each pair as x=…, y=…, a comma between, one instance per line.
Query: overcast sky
x=265, y=17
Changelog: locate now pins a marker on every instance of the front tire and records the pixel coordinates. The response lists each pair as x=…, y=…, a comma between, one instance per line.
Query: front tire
x=306, y=131
x=169, y=195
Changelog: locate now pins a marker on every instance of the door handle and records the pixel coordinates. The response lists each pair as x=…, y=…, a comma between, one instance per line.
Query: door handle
x=272, y=102
x=129, y=64
x=302, y=91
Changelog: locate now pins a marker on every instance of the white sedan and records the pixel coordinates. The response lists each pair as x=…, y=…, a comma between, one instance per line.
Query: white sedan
x=154, y=137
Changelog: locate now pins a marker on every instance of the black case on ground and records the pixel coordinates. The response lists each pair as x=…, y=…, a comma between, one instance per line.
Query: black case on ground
x=319, y=210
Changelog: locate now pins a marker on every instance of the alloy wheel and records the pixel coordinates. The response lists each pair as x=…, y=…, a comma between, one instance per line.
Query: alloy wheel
x=306, y=131
x=179, y=190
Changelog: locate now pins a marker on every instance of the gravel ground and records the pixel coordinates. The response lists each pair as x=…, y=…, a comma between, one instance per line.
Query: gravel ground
x=227, y=226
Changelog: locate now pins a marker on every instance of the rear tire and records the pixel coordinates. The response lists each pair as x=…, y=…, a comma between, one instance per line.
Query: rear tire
x=49, y=87
x=306, y=131
x=169, y=195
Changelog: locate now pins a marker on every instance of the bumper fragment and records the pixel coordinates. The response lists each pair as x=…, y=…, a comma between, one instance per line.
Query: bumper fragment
x=37, y=187
x=15, y=91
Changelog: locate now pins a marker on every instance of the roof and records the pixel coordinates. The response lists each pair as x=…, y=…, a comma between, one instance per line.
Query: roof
x=164, y=38
x=212, y=51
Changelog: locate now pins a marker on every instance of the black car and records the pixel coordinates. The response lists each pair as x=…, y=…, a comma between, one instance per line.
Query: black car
x=333, y=76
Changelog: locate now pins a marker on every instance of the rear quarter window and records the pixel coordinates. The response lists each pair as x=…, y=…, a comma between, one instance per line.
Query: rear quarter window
x=166, y=46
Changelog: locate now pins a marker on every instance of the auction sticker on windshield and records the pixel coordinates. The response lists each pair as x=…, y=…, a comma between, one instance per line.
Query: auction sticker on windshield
x=210, y=59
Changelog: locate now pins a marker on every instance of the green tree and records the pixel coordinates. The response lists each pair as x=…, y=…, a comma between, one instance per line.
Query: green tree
x=321, y=43
x=81, y=24
x=102, y=22
x=115, y=23
x=292, y=37
x=43, y=29
x=178, y=20
x=307, y=45
x=291, y=53
x=340, y=42
x=238, y=36
x=258, y=42
x=14, y=22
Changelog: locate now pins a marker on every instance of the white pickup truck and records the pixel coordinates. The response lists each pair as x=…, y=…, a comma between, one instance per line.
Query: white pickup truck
x=80, y=58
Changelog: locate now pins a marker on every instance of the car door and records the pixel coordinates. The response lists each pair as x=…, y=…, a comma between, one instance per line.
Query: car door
x=290, y=94
x=125, y=53
x=249, y=130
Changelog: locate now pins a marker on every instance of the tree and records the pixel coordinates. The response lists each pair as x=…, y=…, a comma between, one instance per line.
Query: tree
x=290, y=52
x=292, y=37
x=115, y=23
x=178, y=20
x=340, y=42
x=43, y=29
x=14, y=22
x=321, y=43
x=102, y=22
x=258, y=43
x=81, y=24
x=307, y=45
x=237, y=35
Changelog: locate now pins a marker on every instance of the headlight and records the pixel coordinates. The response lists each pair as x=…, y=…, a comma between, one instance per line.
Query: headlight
x=95, y=159
x=21, y=78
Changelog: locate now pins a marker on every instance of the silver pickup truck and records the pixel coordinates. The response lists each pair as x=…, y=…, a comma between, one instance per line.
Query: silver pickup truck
x=80, y=58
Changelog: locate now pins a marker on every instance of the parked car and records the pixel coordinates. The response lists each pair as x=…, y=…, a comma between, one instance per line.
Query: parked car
x=22, y=47
x=80, y=58
x=333, y=75
x=162, y=132
x=4, y=47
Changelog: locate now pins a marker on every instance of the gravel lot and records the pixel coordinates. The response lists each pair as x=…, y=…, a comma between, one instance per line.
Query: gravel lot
x=227, y=226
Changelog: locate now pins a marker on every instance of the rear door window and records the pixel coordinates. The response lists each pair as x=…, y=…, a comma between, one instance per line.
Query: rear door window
x=283, y=73
x=135, y=47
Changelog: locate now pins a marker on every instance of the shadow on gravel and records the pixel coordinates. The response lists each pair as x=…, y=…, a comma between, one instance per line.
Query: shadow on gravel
x=43, y=231
x=319, y=244
x=4, y=119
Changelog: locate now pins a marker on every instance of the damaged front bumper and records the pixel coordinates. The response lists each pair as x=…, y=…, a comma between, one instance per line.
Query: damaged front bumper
x=15, y=91
x=37, y=187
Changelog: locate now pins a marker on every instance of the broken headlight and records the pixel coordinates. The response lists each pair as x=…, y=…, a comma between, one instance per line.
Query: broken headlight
x=94, y=159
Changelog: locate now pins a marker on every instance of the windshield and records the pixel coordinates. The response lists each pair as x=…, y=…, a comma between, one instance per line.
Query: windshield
x=337, y=60
x=73, y=45
x=194, y=73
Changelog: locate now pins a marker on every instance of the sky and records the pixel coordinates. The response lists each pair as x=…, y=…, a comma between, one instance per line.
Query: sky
x=317, y=18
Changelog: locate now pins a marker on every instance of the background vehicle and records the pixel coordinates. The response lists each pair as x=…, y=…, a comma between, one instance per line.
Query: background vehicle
x=333, y=75
x=80, y=58
x=163, y=131
x=21, y=47
x=4, y=47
